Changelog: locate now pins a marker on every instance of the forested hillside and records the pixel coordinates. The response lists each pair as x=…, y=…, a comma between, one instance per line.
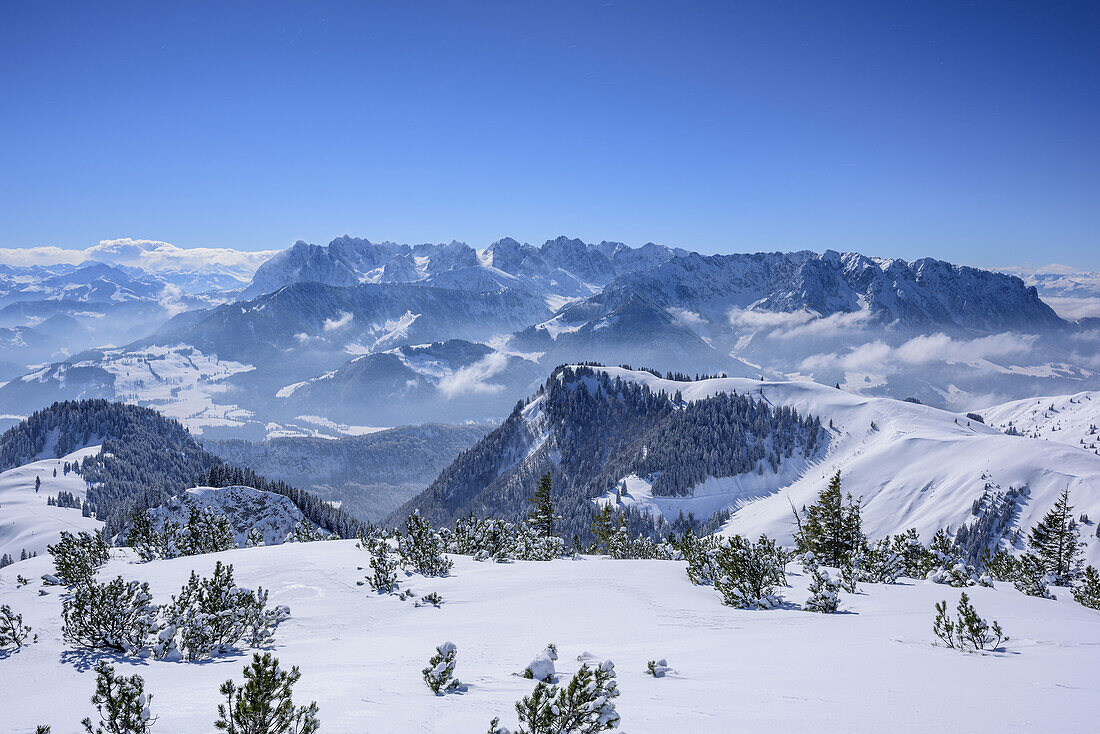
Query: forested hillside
x=590, y=430
x=145, y=460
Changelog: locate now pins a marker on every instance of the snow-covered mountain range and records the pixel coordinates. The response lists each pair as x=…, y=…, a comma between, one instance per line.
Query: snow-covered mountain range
x=357, y=335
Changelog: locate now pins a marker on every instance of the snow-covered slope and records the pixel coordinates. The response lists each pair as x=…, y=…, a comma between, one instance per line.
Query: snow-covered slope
x=1069, y=419
x=913, y=465
x=245, y=507
x=873, y=669
x=27, y=522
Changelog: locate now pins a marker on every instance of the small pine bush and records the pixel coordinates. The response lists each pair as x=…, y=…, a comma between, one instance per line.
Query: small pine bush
x=13, y=633
x=439, y=675
x=122, y=704
x=117, y=616
x=824, y=593
x=1087, y=591
x=264, y=704
x=968, y=632
x=77, y=557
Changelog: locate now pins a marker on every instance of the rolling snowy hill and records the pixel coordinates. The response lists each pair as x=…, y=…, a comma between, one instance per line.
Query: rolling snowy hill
x=1068, y=419
x=913, y=465
x=872, y=669
x=27, y=522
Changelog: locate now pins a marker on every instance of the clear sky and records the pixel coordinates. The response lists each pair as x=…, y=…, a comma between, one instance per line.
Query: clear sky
x=966, y=131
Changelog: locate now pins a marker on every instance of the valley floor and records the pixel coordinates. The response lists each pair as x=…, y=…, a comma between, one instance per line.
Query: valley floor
x=872, y=669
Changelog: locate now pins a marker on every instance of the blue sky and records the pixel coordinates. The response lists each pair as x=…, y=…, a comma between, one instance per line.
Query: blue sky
x=969, y=132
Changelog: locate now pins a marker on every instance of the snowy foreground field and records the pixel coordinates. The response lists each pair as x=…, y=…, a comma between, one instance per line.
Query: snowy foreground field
x=873, y=669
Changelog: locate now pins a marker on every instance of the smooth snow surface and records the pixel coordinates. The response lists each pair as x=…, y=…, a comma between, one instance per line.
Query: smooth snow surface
x=874, y=669
x=26, y=521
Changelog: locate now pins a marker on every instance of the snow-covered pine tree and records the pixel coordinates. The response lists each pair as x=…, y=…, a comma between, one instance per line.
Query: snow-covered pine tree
x=118, y=616
x=1001, y=566
x=76, y=557
x=421, y=548
x=1032, y=577
x=824, y=593
x=13, y=633
x=585, y=706
x=383, y=578
x=1056, y=543
x=439, y=675
x=883, y=563
x=254, y=539
x=122, y=704
x=946, y=565
x=264, y=704
x=748, y=573
x=657, y=668
x=207, y=531
x=211, y=615
x=603, y=526
x=832, y=527
x=1087, y=590
x=541, y=517
x=542, y=667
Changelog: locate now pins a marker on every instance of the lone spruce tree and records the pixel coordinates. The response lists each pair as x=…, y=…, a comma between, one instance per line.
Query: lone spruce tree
x=832, y=528
x=1055, y=542
x=541, y=517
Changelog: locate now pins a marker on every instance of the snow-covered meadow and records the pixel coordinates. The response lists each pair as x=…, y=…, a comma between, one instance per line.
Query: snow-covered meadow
x=874, y=668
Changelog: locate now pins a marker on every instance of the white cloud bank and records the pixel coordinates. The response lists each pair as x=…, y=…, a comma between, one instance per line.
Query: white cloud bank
x=798, y=324
x=474, y=379
x=922, y=350
x=150, y=255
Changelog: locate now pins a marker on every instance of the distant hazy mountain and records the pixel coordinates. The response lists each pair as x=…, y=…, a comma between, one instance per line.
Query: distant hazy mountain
x=356, y=335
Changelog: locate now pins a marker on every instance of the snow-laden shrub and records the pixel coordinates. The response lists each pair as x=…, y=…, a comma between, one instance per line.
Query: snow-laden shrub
x=421, y=548
x=429, y=600
x=13, y=633
x=117, y=616
x=439, y=675
x=383, y=563
x=657, y=668
x=206, y=531
x=701, y=556
x=621, y=546
x=748, y=573
x=76, y=557
x=542, y=667
x=968, y=632
x=946, y=565
x=1032, y=578
x=824, y=593
x=254, y=538
x=502, y=541
x=585, y=706
x=212, y=615
x=1087, y=591
x=307, y=532
x=911, y=553
x=882, y=563
x=264, y=704
x=122, y=704
x=1001, y=566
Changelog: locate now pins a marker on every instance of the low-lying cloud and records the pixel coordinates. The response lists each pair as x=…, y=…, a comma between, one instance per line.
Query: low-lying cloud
x=798, y=324
x=923, y=350
x=474, y=379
